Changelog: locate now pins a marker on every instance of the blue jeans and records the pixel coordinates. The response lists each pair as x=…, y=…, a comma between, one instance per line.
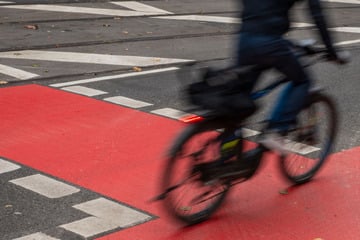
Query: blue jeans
x=276, y=52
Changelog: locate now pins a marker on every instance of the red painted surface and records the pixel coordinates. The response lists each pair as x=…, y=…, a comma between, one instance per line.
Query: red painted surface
x=118, y=152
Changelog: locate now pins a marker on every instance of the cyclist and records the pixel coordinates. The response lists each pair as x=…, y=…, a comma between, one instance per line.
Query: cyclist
x=261, y=43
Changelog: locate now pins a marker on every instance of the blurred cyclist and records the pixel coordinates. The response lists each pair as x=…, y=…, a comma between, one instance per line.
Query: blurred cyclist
x=261, y=43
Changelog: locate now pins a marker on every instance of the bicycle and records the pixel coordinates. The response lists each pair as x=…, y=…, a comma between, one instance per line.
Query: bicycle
x=202, y=159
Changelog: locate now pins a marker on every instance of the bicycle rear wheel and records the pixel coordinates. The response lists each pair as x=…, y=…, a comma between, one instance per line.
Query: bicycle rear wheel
x=191, y=198
x=311, y=142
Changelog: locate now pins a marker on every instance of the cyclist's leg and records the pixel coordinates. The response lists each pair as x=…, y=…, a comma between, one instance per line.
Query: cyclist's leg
x=293, y=96
x=276, y=52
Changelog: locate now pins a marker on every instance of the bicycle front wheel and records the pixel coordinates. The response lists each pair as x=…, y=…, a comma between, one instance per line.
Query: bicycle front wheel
x=311, y=142
x=189, y=197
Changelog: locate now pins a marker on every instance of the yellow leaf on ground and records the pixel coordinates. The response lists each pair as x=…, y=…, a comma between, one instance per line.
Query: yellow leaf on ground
x=284, y=191
x=137, y=69
x=32, y=27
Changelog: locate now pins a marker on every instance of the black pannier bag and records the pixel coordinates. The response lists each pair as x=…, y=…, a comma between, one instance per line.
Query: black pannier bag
x=223, y=92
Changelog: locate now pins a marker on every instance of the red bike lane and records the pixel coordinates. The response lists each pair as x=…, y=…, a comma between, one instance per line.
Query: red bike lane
x=119, y=152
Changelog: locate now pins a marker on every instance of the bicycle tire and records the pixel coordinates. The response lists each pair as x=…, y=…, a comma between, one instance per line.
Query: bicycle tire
x=329, y=124
x=205, y=135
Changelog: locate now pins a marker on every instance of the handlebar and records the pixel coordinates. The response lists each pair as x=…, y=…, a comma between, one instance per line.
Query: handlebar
x=307, y=48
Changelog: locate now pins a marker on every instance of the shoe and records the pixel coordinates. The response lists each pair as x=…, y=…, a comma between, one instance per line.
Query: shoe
x=276, y=142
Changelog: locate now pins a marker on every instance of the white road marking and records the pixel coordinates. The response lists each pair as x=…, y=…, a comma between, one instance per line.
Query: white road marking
x=170, y=112
x=140, y=7
x=90, y=226
x=300, y=147
x=344, y=1
x=16, y=73
x=119, y=76
x=85, y=10
x=347, y=42
x=121, y=215
x=346, y=29
x=45, y=186
x=203, y=18
x=301, y=25
x=92, y=58
x=128, y=102
x=5, y=2
x=6, y=166
x=36, y=236
x=249, y=132
x=84, y=91
x=106, y=215
x=219, y=19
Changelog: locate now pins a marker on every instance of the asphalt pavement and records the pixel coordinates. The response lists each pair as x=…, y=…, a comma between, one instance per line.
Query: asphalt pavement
x=84, y=82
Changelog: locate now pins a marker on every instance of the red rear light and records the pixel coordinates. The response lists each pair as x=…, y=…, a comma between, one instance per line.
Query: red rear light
x=191, y=119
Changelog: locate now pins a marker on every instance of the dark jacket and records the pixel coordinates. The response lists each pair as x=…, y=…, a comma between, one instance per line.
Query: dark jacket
x=271, y=17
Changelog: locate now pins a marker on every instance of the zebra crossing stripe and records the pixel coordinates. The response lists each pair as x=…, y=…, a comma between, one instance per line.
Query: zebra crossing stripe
x=90, y=92
x=170, y=112
x=106, y=215
x=128, y=102
x=45, y=186
x=36, y=236
x=6, y=166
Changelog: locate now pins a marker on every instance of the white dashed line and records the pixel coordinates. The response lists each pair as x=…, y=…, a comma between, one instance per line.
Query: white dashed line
x=36, y=236
x=6, y=166
x=106, y=215
x=128, y=102
x=170, y=112
x=84, y=91
x=45, y=186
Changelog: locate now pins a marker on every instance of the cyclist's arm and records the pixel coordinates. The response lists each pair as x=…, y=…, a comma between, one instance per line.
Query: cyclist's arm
x=317, y=14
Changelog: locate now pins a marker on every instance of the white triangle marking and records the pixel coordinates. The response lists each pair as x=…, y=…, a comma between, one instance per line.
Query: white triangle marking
x=140, y=7
x=85, y=10
x=90, y=58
